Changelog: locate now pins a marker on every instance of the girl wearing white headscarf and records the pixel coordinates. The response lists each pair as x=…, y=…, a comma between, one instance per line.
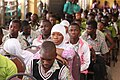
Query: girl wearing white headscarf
x=64, y=51
x=12, y=46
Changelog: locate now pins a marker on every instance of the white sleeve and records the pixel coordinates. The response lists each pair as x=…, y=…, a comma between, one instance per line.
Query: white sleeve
x=86, y=56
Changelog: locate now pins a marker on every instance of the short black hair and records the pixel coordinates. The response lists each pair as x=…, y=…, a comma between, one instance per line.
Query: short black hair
x=75, y=24
x=28, y=14
x=92, y=23
x=24, y=23
x=45, y=20
x=17, y=21
x=48, y=46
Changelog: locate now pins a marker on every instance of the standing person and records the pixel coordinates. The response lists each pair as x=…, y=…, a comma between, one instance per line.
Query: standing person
x=68, y=10
x=47, y=67
x=96, y=39
x=7, y=68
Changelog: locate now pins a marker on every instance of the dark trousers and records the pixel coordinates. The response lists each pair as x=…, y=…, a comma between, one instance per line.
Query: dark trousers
x=98, y=68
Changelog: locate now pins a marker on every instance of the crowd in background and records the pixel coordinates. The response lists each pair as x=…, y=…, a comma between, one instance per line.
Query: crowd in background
x=92, y=34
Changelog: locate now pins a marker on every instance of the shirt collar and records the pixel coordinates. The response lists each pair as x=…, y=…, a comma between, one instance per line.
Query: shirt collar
x=54, y=67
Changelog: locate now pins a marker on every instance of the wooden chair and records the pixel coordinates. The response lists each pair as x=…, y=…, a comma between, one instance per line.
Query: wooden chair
x=33, y=49
x=16, y=77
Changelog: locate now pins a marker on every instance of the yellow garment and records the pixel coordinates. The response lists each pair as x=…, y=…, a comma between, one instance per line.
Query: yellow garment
x=7, y=68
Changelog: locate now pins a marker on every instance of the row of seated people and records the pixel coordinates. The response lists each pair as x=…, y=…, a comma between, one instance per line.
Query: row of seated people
x=62, y=50
x=66, y=41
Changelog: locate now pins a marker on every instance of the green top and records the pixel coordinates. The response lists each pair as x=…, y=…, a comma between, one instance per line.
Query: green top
x=68, y=8
x=112, y=30
x=7, y=68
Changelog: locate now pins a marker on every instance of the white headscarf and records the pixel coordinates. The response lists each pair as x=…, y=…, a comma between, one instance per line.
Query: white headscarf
x=12, y=46
x=65, y=23
x=61, y=29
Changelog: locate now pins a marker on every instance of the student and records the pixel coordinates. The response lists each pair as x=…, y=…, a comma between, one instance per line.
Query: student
x=34, y=22
x=27, y=34
x=65, y=52
x=45, y=27
x=80, y=46
x=96, y=39
x=66, y=24
x=7, y=68
x=47, y=67
x=12, y=46
x=108, y=37
x=14, y=29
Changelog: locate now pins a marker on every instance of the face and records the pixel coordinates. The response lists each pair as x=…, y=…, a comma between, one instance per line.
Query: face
x=14, y=28
x=33, y=18
x=90, y=30
x=47, y=59
x=78, y=16
x=27, y=30
x=52, y=20
x=45, y=28
x=100, y=26
x=74, y=31
x=57, y=38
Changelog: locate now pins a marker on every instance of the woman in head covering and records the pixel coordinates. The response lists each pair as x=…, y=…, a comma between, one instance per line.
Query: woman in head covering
x=64, y=51
x=12, y=46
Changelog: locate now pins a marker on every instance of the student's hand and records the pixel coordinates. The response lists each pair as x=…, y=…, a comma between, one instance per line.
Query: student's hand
x=59, y=51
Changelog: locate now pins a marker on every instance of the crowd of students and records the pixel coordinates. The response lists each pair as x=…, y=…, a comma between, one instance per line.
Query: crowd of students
x=92, y=34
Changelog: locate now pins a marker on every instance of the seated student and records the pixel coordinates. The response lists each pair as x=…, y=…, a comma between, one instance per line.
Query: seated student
x=96, y=39
x=12, y=46
x=7, y=68
x=47, y=67
x=80, y=46
x=34, y=22
x=65, y=52
x=27, y=34
x=14, y=29
x=46, y=27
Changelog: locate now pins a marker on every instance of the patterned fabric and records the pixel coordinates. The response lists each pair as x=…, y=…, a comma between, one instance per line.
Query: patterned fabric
x=82, y=48
x=30, y=38
x=98, y=44
x=64, y=75
x=22, y=42
x=39, y=40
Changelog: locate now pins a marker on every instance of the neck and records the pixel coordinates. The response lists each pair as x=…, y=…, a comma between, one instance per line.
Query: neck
x=93, y=36
x=74, y=40
x=45, y=36
x=13, y=36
